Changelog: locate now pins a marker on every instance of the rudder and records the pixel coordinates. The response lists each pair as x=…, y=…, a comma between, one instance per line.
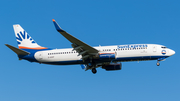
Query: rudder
x=24, y=40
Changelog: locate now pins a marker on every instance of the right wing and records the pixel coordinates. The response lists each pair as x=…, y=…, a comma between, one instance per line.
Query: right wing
x=82, y=48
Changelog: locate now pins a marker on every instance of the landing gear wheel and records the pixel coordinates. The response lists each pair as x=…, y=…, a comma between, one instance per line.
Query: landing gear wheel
x=94, y=70
x=158, y=64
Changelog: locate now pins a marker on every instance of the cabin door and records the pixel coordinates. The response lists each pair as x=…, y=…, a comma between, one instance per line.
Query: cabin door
x=40, y=55
x=154, y=48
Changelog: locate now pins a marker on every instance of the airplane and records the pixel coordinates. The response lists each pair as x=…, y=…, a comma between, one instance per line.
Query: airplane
x=90, y=58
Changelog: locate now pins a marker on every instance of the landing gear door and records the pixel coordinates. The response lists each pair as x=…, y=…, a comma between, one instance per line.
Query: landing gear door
x=154, y=48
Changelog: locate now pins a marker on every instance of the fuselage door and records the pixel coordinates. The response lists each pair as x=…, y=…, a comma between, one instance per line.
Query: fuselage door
x=40, y=55
x=154, y=48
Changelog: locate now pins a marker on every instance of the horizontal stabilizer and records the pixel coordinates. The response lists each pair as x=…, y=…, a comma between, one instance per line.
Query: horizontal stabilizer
x=17, y=51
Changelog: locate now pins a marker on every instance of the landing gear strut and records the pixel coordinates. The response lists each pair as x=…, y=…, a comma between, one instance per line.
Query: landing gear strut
x=94, y=70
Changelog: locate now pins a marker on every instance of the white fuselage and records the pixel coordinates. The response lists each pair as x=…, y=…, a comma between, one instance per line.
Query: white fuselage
x=132, y=52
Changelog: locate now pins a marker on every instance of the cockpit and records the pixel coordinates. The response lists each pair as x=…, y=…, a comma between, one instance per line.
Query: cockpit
x=163, y=47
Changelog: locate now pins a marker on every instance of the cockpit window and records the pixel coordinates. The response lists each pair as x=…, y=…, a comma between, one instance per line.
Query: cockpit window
x=163, y=47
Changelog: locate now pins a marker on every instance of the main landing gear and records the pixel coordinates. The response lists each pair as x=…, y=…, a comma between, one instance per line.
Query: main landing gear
x=92, y=66
x=94, y=70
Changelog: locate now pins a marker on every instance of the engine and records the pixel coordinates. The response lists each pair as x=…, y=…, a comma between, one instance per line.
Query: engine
x=107, y=56
x=112, y=67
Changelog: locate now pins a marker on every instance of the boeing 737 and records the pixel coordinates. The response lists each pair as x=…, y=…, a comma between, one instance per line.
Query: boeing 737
x=90, y=58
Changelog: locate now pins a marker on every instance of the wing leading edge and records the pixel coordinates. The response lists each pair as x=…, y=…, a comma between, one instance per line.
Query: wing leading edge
x=82, y=48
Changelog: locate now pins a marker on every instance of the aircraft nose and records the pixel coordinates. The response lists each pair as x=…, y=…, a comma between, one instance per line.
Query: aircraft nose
x=172, y=52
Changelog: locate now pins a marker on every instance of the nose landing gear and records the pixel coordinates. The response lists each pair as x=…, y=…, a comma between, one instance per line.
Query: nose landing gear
x=160, y=59
x=157, y=63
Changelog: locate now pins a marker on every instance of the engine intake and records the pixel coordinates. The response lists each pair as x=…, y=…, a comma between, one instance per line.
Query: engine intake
x=112, y=67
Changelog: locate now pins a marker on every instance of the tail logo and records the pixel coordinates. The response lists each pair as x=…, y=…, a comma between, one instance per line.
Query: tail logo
x=23, y=36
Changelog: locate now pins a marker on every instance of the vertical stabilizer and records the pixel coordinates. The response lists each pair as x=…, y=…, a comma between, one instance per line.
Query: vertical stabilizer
x=24, y=40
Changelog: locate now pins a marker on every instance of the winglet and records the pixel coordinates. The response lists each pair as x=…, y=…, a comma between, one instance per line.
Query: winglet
x=58, y=28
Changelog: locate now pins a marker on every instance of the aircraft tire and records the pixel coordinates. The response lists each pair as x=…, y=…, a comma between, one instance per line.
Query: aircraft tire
x=94, y=71
x=158, y=64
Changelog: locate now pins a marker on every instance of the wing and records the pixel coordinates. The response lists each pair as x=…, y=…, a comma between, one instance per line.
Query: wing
x=82, y=48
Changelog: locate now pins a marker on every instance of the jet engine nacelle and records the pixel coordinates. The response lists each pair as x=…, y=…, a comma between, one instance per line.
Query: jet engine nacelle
x=112, y=67
x=107, y=56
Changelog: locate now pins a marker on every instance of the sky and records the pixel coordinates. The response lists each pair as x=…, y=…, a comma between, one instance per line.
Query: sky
x=95, y=22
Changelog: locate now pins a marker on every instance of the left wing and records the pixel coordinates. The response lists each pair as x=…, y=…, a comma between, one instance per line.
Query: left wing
x=82, y=48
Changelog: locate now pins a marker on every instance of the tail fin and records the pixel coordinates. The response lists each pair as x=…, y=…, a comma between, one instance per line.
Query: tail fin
x=24, y=40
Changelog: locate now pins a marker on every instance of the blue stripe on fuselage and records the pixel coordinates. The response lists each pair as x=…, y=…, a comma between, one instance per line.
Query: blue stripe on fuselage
x=139, y=58
x=123, y=59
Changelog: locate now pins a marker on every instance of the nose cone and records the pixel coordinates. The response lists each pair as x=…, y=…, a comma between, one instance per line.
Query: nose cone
x=172, y=52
